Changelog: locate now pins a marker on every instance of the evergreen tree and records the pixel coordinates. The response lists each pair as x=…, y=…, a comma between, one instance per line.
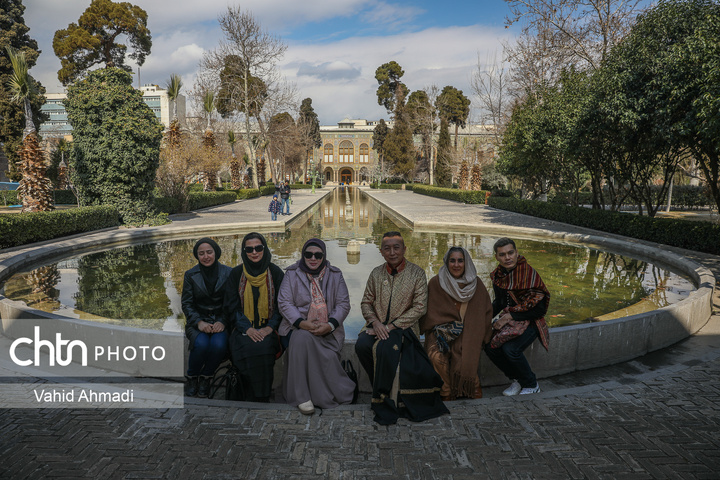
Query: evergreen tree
x=388, y=77
x=379, y=135
x=455, y=107
x=14, y=34
x=93, y=40
x=309, y=129
x=116, y=139
x=398, y=146
x=443, y=175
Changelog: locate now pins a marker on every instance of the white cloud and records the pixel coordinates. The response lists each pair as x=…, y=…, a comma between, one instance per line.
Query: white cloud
x=339, y=75
x=439, y=56
x=329, y=71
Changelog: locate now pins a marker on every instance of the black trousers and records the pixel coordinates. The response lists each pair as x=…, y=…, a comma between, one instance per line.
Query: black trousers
x=364, y=352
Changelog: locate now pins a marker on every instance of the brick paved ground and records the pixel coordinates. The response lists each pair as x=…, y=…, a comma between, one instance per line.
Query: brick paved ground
x=654, y=417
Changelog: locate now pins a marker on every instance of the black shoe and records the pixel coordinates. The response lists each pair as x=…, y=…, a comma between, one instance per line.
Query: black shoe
x=204, y=386
x=191, y=387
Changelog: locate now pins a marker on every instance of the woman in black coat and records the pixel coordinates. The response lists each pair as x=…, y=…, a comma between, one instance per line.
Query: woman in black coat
x=251, y=308
x=205, y=327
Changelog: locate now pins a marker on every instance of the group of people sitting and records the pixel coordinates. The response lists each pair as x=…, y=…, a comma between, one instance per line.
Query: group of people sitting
x=255, y=312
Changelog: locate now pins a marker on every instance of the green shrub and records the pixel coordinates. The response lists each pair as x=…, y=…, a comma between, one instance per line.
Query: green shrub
x=393, y=186
x=691, y=196
x=699, y=236
x=199, y=200
x=61, y=197
x=23, y=228
x=267, y=190
x=248, y=193
x=65, y=197
x=167, y=205
x=8, y=197
x=465, y=196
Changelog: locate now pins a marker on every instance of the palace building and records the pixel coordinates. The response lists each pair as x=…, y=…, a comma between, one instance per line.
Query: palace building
x=347, y=154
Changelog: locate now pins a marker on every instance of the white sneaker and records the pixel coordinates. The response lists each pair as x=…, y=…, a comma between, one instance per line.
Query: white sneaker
x=513, y=389
x=528, y=391
x=307, y=408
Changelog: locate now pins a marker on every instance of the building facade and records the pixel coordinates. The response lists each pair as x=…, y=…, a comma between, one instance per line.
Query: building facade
x=155, y=97
x=346, y=155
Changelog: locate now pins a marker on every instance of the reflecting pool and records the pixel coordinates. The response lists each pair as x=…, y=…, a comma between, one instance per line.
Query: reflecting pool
x=140, y=285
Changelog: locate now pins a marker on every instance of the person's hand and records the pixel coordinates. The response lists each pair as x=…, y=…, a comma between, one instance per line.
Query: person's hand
x=307, y=325
x=218, y=327
x=381, y=330
x=258, y=335
x=205, y=327
x=502, y=321
x=321, y=329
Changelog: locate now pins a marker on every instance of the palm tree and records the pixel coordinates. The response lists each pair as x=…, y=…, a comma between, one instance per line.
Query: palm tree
x=235, y=176
x=35, y=188
x=174, y=84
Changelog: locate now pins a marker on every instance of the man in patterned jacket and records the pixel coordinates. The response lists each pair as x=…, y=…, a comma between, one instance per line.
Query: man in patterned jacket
x=395, y=298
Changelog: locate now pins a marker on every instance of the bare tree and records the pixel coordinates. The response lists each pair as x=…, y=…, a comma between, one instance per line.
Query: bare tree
x=282, y=97
x=580, y=32
x=490, y=84
x=425, y=119
x=244, y=65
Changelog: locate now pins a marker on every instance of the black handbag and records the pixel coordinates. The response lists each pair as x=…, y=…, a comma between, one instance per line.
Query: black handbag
x=352, y=375
x=230, y=379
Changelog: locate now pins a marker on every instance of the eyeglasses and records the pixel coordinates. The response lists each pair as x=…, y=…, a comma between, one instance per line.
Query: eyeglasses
x=317, y=255
x=256, y=248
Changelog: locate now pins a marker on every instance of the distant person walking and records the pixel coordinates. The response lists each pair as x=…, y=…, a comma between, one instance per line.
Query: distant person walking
x=285, y=197
x=274, y=207
x=521, y=301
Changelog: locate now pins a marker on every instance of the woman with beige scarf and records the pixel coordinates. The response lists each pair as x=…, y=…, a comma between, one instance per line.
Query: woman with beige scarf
x=457, y=324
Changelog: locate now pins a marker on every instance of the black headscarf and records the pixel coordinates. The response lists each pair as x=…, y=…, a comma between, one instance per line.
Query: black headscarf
x=209, y=274
x=303, y=266
x=255, y=269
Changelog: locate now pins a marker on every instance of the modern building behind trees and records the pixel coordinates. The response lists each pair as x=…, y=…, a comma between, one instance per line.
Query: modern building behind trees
x=58, y=126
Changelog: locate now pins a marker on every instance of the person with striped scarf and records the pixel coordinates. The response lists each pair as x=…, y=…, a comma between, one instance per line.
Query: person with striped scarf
x=521, y=301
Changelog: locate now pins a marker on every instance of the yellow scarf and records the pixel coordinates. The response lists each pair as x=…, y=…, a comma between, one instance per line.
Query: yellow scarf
x=261, y=283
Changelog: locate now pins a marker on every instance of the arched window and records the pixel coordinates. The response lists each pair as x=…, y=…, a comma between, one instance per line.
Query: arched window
x=347, y=152
x=364, y=153
x=328, y=153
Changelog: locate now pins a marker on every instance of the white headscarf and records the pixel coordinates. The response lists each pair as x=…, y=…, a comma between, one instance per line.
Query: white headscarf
x=461, y=289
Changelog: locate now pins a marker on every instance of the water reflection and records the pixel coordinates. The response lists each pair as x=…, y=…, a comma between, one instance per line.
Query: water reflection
x=140, y=285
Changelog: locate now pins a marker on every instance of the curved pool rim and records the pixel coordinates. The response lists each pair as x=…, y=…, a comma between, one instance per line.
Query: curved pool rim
x=572, y=348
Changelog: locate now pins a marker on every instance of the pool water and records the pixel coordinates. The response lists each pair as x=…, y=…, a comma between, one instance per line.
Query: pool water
x=140, y=285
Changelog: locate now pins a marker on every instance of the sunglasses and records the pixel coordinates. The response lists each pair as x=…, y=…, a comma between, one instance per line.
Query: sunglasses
x=317, y=255
x=257, y=248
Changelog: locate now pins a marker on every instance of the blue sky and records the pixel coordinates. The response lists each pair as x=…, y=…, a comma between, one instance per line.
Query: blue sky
x=334, y=46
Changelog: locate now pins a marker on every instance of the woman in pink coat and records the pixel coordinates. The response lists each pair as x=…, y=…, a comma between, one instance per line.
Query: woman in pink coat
x=314, y=302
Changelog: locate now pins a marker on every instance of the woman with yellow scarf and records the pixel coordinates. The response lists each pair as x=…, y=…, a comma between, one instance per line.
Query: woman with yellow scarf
x=252, y=310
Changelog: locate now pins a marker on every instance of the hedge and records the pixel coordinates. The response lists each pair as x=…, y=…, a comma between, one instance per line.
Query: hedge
x=61, y=197
x=23, y=228
x=465, y=196
x=209, y=199
x=683, y=197
x=699, y=236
